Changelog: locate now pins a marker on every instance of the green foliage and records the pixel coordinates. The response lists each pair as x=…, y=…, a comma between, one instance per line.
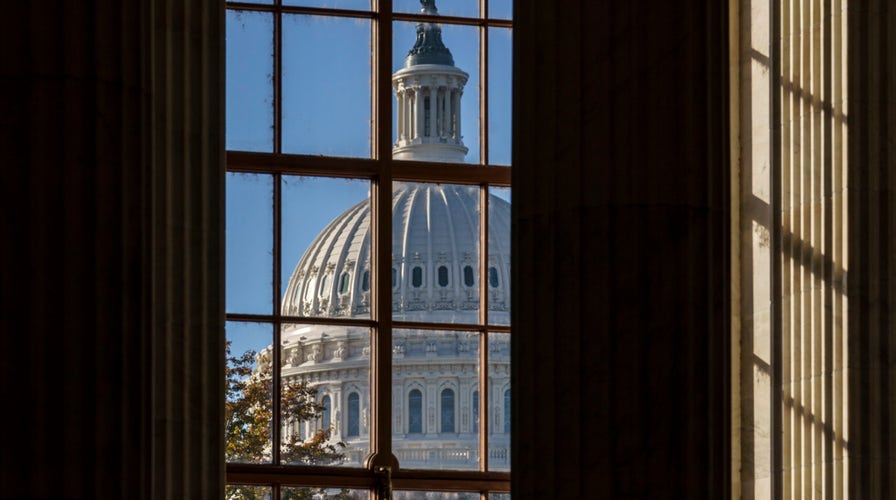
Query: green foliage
x=248, y=411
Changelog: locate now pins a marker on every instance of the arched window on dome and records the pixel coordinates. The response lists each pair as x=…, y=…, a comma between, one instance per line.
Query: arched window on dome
x=443, y=276
x=417, y=277
x=365, y=281
x=493, y=276
x=468, y=276
x=507, y=411
x=325, y=412
x=415, y=412
x=323, y=285
x=475, y=411
x=447, y=410
x=353, y=409
x=344, y=282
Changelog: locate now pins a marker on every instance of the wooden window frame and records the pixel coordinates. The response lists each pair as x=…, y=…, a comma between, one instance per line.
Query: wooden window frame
x=382, y=172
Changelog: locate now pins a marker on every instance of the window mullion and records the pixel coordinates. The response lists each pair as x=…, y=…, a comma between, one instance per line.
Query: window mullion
x=381, y=231
x=483, y=320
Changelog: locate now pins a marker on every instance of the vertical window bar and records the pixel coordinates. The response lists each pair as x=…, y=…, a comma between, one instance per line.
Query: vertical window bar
x=278, y=66
x=275, y=355
x=483, y=321
x=380, y=431
x=483, y=85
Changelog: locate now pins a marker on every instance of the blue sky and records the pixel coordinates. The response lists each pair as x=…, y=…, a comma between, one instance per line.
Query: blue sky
x=326, y=110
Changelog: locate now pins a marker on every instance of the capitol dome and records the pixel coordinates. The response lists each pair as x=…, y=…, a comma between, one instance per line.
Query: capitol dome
x=435, y=259
x=435, y=280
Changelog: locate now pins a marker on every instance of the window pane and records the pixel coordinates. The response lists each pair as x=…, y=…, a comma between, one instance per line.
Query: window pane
x=499, y=496
x=335, y=4
x=499, y=401
x=250, y=84
x=249, y=399
x=306, y=493
x=434, y=226
x=500, y=9
x=325, y=247
x=250, y=242
x=435, y=377
x=499, y=256
x=435, y=495
x=326, y=90
x=500, y=94
x=247, y=492
x=435, y=106
x=460, y=8
x=326, y=394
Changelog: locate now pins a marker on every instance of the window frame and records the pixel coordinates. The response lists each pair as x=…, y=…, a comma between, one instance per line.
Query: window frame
x=382, y=171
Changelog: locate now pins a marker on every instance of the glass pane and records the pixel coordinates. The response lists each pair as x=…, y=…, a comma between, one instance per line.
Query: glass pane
x=250, y=84
x=500, y=9
x=500, y=70
x=325, y=247
x=499, y=401
x=499, y=496
x=435, y=226
x=326, y=91
x=249, y=399
x=326, y=394
x=306, y=493
x=435, y=383
x=435, y=107
x=435, y=495
x=250, y=243
x=247, y=492
x=460, y=8
x=332, y=4
x=499, y=256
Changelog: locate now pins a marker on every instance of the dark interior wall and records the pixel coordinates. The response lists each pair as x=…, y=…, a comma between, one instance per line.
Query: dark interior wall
x=621, y=223
x=111, y=304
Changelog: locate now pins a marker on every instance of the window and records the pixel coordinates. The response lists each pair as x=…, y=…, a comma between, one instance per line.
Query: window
x=447, y=410
x=507, y=411
x=443, y=276
x=325, y=415
x=415, y=412
x=334, y=142
x=417, y=277
x=353, y=411
x=493, y=277
x=475, y=413
x=468, y=276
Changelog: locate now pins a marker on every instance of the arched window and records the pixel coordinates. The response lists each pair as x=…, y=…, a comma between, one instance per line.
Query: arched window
x=365, y=281
x=344, y=282
x=443, y=276
x=354, y=421
x=323, y=285
x=447, y=410
x=475, y=411
x=493, y=276
x=325, y=413
x=507, y=411
x=468, y=276
x=415, y=412
x=417, y=277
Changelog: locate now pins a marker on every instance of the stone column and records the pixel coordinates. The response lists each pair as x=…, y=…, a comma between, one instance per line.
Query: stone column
x=433, y=96
x=418, y=118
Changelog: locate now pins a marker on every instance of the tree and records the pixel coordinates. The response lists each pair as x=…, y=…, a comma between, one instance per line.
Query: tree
x=248, y=411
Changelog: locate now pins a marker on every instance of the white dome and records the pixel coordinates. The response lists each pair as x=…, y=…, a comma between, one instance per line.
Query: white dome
x=435, y=232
